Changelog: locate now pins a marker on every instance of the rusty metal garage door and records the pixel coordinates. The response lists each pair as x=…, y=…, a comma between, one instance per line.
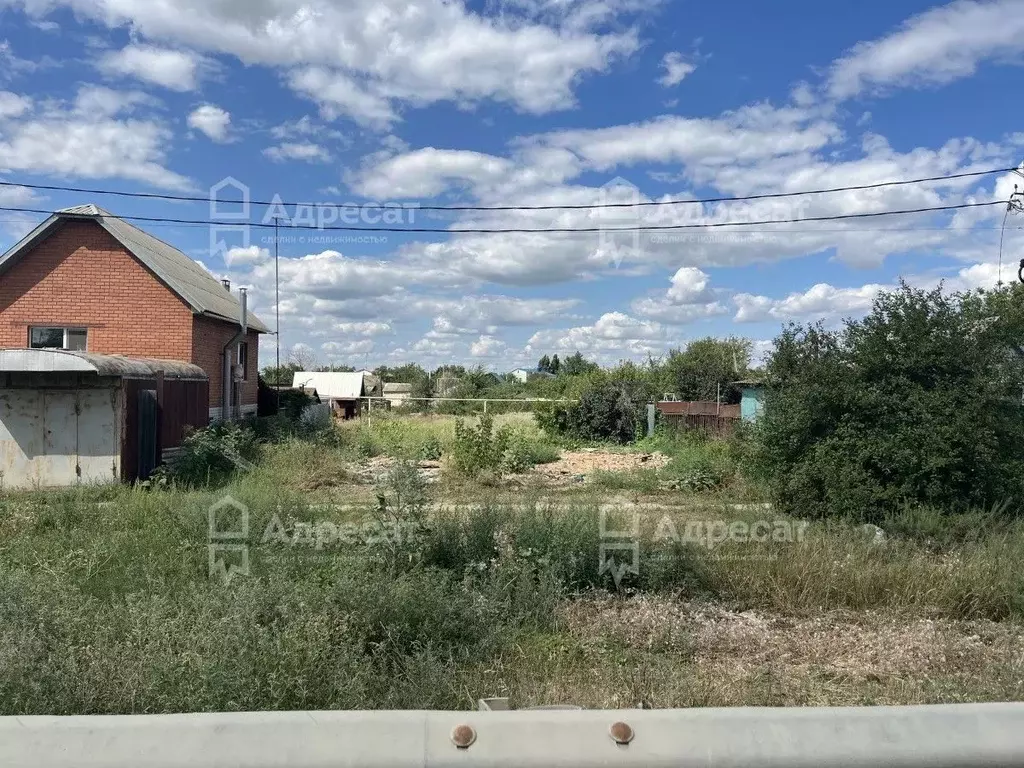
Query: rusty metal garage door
x=52, y=437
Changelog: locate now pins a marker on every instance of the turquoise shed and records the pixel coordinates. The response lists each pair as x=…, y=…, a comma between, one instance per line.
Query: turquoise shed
x=751, y=398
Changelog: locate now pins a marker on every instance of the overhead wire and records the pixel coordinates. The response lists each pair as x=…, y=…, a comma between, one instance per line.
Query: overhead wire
x=546, y=207
x=524, y=230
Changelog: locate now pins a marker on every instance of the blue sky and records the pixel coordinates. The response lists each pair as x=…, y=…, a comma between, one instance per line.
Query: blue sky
x=529, y=102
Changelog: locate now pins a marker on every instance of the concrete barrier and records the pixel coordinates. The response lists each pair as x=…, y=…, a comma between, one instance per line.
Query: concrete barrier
x=953, y=736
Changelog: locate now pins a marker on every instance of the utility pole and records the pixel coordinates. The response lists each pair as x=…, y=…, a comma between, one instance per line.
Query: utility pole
x=277, y=307
x=1014, y=205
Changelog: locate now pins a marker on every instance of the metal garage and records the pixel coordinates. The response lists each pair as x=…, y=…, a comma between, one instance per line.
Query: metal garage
x=69, y=418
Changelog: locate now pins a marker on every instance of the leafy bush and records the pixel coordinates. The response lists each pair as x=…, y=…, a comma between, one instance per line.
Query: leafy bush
x=917, y=403
x=401, y=513
x=212, y=455
x=479, y=448
x=608, y=407
x=639, y=480
x=292, y=402
x=431, y=449
x=366, y=445
x=316, y=418
x=518, y=456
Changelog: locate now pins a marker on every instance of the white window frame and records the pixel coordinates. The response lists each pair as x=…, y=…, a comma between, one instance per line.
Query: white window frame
x=66, y=329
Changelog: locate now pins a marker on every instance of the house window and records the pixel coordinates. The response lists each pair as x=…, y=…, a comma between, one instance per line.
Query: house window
x=73, y=339
x=243, y=359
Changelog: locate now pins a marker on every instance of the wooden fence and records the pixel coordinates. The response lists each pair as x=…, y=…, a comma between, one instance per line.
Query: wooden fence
x=704, y=416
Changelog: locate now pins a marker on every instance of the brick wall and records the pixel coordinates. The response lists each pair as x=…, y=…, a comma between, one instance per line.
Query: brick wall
x=80, y=276
x=208, y=339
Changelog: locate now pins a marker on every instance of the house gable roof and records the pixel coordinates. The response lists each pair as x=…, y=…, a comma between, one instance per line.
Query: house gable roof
x=194, y=285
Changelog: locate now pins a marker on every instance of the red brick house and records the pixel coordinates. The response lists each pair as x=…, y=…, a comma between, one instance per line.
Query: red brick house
x=86, y=280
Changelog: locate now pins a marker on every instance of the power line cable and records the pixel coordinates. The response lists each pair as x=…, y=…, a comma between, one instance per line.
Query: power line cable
x=592, y=206
x=518, y=230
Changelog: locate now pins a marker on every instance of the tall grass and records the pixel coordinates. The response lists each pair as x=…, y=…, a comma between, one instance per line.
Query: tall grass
x=106, y=604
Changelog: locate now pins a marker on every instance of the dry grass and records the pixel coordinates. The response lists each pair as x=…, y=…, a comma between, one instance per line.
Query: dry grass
x=665, y=652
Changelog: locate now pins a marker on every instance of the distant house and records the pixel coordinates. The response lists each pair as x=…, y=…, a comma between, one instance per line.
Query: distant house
x=522, y=375
x=751, y=399
x=397, y=393
x=345, y=392
x=87, y=281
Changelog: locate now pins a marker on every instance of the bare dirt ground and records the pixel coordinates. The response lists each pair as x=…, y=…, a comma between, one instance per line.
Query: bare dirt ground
x=571, y=467
x=586, y=462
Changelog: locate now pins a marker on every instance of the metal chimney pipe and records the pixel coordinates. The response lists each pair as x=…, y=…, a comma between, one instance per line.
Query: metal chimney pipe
x=230, y=355
x=226, y=283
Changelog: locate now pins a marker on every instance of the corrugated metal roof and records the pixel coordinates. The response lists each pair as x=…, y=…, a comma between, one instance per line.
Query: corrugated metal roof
x=196, y=287
x=396, y=388
x=63, y=361
x=331, y=385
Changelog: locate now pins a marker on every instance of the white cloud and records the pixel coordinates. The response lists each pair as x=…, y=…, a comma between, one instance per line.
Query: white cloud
x=330, y=277
x=240, y=257
x=339, y=94
x=428, y=172
x=689, y=298
x=90, y=139
x=613, y=332
x=306, y=152
x=212, y=121
x=306, y=128
x=747, y=134
x=340, y=349
x=938, y=46
x=13, y=104
x=487, y=346
x=676, y=69
x=362, y=329
x=689, y=285
x=365, y=58
x=95, y=100
x=176, y=70
x=822, y=301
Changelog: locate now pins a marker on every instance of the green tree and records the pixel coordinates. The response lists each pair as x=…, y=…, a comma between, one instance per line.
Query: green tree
x=697, y=372
x=544, y=364
x=556, y=365
x=280, y=377
x=609, y=405
x=919, y=402
x=401, y=374
x=577, y=365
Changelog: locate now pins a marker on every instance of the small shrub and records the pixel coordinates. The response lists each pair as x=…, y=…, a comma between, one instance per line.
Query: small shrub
x=316, y=419
x=366, y=446
x=401, y=515
x=480, y=448
x=518, y=456
x=212, y=455
x=431, y=450
x=610, y=407
x=638, y=480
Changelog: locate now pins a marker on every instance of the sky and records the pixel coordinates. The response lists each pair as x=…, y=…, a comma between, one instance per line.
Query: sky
x=364, y=113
